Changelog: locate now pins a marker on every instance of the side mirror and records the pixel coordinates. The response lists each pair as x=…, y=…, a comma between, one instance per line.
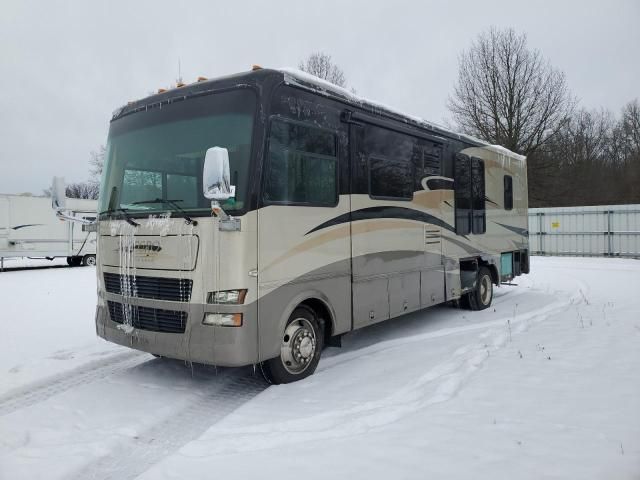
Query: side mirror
x=216, y=183
x=58, y=194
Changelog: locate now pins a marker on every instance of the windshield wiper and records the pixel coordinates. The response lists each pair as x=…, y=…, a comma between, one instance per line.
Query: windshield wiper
x=124, y=211
x=174, y=204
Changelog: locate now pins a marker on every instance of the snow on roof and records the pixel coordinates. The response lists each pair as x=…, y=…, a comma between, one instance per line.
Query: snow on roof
x=294, y=76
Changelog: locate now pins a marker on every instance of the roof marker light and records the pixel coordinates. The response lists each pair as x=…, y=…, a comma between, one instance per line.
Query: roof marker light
x=202, y=79
x=255, y=67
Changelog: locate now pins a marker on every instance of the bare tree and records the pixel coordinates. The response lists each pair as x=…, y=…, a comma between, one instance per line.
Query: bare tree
x=96, y=163
x=508, y=94
x=593, y=159
x=321, y=65
x=88, y=190
x=626, y=150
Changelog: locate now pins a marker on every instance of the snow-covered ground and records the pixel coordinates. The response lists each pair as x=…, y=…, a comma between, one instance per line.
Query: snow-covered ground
x=545, y=384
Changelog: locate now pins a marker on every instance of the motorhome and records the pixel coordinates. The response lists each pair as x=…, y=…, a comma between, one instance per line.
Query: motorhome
x=256, y=218
x=30, y=227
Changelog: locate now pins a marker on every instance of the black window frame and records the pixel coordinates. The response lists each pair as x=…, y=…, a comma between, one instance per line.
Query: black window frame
x=508, y=192
x=366, y=156
x=267, y=164
x=482, y=197
x=473, y=214
x=460, y=226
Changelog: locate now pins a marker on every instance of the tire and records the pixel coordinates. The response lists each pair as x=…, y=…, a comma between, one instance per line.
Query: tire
x=74, y=261
x=89, y=260
x=463, y=302
x=482, y=296
x=300, y=349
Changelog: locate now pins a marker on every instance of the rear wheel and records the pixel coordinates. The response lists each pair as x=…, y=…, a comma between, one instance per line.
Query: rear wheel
x=481, y=297
x=89, y=260
x=300, y=349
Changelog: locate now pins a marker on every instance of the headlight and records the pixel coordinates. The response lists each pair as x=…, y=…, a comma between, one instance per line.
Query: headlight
x=235, y=297
x=223, y=319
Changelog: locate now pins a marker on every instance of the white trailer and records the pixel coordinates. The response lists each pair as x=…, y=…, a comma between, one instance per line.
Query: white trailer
x=30, y=227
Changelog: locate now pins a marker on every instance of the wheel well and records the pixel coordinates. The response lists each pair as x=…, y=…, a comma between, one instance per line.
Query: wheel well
x=469, y=268
x=493, y=270
x=322, y=311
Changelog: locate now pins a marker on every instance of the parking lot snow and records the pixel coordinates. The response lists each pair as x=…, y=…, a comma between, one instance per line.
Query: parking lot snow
x=541, y=385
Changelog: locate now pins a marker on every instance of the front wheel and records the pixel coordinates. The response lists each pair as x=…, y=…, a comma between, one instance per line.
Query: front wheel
x=300, y=349
x=481, y=296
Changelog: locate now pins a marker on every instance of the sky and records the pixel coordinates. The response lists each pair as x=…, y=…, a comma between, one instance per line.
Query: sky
x=65, y=66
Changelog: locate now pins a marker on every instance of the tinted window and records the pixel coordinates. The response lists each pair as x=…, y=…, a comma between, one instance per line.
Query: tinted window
x=462, y=186
x=389, y=157
x=427, y=161
x=469, y=185
x=390, y=178
x=508, y=192
x=302, y=165
x=477, y=196
x=303, y=138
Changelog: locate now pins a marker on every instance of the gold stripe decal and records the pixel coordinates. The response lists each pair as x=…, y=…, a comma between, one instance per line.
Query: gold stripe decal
x=387, y=212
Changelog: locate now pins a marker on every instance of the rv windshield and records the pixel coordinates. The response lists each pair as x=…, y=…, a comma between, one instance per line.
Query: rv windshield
x=154, y=158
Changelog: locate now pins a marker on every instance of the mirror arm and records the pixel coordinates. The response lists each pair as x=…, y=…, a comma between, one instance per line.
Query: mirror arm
x=63, y=215
x=217, y=211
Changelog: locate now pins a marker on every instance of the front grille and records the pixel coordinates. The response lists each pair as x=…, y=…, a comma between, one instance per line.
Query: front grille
x=151, y=319
x=157, y=288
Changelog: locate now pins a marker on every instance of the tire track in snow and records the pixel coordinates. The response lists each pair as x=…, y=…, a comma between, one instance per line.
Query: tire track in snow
x=438, y=384
x=40, y=391
x=130, y=459
x=381, y=346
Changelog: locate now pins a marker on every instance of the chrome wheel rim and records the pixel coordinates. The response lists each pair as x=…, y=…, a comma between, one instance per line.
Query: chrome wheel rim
x=298, y=346
x=485, y=290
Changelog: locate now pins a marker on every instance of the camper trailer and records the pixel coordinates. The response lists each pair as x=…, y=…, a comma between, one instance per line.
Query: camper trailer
x=256, y=218
x=29, y=227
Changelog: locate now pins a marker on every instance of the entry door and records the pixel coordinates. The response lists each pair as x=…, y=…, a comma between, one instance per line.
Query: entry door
x=387, y=242
x=370, y=287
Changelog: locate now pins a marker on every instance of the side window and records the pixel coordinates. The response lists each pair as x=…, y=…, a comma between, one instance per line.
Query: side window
x=302, y=166
x=470, y=195
x=390, y=178
x=508, y=192
x=427, y=159
x=389, y=157
x=462, y=183
x=478, y=196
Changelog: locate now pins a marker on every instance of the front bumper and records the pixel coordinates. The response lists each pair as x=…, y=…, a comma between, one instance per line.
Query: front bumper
x=213, y=345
